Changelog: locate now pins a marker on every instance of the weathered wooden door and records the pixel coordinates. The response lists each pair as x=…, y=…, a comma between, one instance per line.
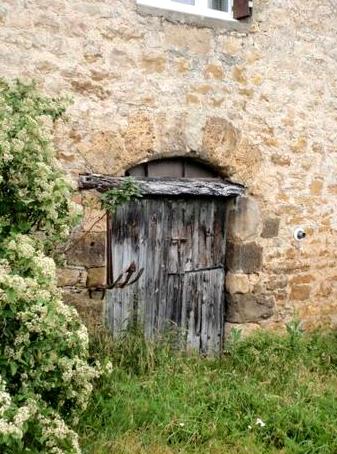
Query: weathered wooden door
x=169, y=256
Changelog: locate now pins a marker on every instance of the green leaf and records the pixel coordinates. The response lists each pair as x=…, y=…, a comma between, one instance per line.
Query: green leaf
x=14, y=368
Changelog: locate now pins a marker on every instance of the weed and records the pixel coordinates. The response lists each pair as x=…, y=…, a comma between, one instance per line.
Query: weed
x=270, y=394
x=233, y=341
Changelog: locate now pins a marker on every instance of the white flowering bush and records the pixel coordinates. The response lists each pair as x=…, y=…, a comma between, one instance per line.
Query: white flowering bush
x=45, y=378
x=34, y=194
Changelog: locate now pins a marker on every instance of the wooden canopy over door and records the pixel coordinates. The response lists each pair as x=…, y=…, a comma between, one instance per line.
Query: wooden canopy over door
x=169, y=247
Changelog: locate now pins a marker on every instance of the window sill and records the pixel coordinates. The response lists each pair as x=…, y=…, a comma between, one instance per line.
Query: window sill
x=194, y=19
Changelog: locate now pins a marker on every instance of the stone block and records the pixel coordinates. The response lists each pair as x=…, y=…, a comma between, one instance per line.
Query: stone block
x=254, y=279
x=300, y=292
x=67, y=277
x=219, y=134
x=96, y=277
x=87, y=87
x=140, y=135
x=280, y=160
x=244, y=221
x=249, y=308
x=230, y=45
x=246, y=257
x=153, y=63
x=316, y=186
x=332, y=189
x=302, y=279
x=101, y=151
x=88, y=250
x=325, y=289
x=187, y=39
x=192, y=99
x=239, y=74
x=277, y=282
x=270, y=228
x=237, y=283
x=94, y=220
x=213, y=71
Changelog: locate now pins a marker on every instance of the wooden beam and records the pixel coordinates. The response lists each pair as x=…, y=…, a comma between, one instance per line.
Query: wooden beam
x=166, y=186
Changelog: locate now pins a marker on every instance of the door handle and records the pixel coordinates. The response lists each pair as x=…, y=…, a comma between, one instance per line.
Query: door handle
x=129, y=272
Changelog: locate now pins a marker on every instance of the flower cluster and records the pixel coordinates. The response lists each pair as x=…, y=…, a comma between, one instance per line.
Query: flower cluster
x=54, y=436
x=43, y=345
x=45, y=378
x=34, y=193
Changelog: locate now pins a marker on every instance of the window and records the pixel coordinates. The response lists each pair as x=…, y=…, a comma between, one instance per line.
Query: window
x=217, y=9
x=174, y=168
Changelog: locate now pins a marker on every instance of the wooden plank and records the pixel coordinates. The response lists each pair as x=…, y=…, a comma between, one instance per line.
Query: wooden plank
x=177, y=236
x=206, y=303
x=219, y=232
x=160, y=286
x=206, y=220
x=173, y=310
x=143, y=254
x=174, y=233
x=163, y=168
x=149, y=295
x=198, y=170
x=119, y=309
x=166, y=186
x=191, y=311
x=125, y=225
x=153, y=265
x=202, y=310
x=109, y=274
x=191, y=214
x=165, y=303
x=215, y=311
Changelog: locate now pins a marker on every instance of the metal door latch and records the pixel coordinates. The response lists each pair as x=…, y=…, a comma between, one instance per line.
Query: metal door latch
x=119, y=282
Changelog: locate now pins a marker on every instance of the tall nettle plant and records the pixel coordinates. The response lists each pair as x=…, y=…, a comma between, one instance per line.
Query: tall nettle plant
x=45, y=378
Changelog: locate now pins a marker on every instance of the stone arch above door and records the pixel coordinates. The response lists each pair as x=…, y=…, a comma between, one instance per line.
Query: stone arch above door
x=185, y=177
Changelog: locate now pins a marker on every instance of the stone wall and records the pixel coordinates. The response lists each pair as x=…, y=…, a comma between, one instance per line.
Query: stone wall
x=259, y=104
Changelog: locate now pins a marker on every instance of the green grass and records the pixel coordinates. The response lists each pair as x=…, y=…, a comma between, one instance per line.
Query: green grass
x=159, y=402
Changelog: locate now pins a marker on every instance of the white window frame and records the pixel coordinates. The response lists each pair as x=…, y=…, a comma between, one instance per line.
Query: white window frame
x=200, y=8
